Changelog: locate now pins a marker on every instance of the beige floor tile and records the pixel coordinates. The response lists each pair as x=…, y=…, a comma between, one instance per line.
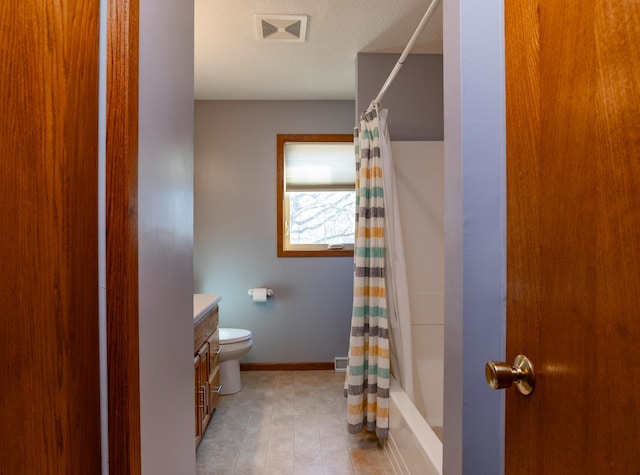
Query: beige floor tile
x=304, y=409
x=283, y=408
x=281, y=442
x=306, y=443
x=234, y=423
x=309, y=470
x=308, y=457
x=249, y=471
x=211, y=437
x=333, y=443
x=279, y=458
x=330, y=428
x=261, y=427
x=325, y=408
x=279, y=471
x=262, y=407
x=224, y=433
x=307, y=420
x=220, y=447
x=251, y=461
x=305, y=390
x=203, y=454
x=371, y=471
x=307, y=431
x=363, y=441
x=283, y=421
x=337, y=470
x=287, y=423
x=336, y=457
x=223, y=462
x=221, y=471
x=284, y=391
x=255, y=444
x=364, y=457
x=327, y=395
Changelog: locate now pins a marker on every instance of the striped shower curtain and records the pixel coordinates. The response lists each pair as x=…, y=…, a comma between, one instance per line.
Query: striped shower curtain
x=367, y=380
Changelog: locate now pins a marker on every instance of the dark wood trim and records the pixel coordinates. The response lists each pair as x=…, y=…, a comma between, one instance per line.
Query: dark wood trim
x=319, y=253
x=281, y=140
x=122, y=237
x=285, y=366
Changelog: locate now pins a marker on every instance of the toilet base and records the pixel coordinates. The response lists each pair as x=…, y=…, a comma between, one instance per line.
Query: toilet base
x=230, y=377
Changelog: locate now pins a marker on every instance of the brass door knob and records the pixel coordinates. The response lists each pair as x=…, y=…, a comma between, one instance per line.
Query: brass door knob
x=503, y=375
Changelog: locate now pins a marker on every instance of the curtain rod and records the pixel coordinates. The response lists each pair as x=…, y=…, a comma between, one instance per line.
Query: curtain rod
x=407, y=50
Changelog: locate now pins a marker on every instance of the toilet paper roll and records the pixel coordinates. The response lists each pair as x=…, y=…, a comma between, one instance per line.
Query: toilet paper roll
x=259, y=294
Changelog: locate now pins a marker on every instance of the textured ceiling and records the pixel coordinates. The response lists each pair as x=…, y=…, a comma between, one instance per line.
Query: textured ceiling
x=231, y=63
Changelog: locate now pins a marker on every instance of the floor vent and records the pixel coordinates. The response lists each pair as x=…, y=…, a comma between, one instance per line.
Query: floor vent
x=281, y=27
x=340, y=364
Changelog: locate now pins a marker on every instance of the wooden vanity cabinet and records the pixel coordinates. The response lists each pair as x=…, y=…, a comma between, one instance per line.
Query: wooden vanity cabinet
x=196, y=371
x=214, y=370
x=206, y=372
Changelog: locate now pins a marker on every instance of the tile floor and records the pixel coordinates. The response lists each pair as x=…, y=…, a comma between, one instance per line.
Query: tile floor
x=287, y=422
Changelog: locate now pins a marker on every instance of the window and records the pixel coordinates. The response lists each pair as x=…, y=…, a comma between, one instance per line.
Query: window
x=316, y=195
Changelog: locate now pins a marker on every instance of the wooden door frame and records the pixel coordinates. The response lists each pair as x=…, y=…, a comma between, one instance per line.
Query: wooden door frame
x=122, y=237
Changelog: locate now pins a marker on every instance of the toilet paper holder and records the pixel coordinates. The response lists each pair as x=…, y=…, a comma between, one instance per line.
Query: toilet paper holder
x=269, y=292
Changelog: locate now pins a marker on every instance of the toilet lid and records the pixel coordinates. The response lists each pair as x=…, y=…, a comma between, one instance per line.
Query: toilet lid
x=233, y=335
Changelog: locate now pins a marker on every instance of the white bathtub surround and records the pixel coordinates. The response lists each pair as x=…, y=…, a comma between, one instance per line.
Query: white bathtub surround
x=419, y=172
x=413, y=447
x=428, y=346
x=398, y=305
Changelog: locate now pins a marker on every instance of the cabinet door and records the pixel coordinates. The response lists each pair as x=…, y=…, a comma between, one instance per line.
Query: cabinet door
x=198, y=398
x=214, y=389
x=214, y=373
x=214, y=352
x=205, y=369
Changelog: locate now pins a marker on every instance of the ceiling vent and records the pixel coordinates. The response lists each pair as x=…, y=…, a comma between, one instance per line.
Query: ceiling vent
x=281, y=27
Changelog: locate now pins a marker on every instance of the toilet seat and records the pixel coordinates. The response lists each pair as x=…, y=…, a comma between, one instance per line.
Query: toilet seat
x=233, y=335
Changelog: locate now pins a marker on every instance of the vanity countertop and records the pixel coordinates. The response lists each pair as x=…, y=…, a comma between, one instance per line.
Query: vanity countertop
x=202, y=303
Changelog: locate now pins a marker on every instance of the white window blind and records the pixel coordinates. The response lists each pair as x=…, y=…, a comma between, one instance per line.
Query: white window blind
x=319, y=166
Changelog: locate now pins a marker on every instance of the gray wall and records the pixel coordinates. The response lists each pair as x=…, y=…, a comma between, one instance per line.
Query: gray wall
x=165, y=236
x=475, y=234
x=414, y=98
x=309, y=317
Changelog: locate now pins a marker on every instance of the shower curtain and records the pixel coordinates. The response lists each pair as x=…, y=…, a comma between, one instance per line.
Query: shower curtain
x=377, y=299
x=398, y=311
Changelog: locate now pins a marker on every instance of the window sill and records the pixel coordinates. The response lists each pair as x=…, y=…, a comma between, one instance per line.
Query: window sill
x=316, y=253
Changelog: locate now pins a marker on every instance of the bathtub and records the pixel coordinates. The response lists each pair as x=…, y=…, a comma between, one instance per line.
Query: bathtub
x=412, y=446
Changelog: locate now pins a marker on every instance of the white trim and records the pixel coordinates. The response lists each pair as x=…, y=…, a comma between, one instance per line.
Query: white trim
x=475, y=231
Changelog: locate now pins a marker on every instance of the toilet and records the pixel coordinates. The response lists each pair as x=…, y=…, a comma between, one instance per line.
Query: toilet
x=234, y=344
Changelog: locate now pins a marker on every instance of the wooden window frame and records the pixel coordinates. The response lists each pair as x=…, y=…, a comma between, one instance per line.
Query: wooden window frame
x=281, y=140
